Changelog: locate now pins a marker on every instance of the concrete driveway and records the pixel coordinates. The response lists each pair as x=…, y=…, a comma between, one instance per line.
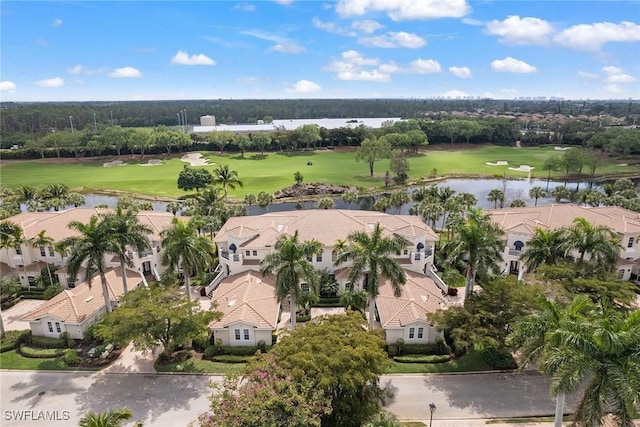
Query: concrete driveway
x=11, y=317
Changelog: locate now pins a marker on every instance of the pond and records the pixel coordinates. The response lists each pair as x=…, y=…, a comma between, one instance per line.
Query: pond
x=513, y=189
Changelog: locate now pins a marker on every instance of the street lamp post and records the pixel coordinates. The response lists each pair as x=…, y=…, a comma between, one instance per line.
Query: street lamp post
x=71, y=121
x=432, y=409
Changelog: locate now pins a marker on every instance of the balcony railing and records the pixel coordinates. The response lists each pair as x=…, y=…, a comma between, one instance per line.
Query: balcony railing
x=515, y=252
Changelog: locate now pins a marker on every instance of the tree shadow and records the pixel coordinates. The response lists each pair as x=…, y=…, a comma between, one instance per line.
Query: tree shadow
x=40, y=386
x=250, y=157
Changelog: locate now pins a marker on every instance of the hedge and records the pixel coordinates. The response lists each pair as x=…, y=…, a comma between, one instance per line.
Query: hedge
x=47, y=342
x=230, y=359
x=437, y=348
x=302, y=319
x=499, y=358
x=13, y=339
x=40, y=353
x=422, y=358
x=220, y=350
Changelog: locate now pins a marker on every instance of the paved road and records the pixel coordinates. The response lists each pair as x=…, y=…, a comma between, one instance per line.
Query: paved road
x=174, y=400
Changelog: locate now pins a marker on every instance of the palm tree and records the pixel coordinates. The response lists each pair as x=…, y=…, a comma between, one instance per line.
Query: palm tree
x=326, y=203
x=227, y=178
x=599, y=241
x=264, y=199
x=127, y=232
x=370, y=255
x=382, y=204
x=349, y=197
x=399, y=198
x=496, y=195
x=10, y=235
x=42, y=240
x=174, y=207
x=478, y=244
x=560, y=193
x=89, y=248
x=113, y=418
x=250, y=199
x=518, y=203
x=289, y=262
x=354, y=300
x=600, y=354
x=185, y=249
x=535, y=193
x=545, y=247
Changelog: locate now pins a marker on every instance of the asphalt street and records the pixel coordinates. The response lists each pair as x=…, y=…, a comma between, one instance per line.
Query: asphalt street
x=62, y=398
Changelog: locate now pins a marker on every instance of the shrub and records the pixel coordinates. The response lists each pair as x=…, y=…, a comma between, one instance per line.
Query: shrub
x=47, y=342
x=51, y=291
x=392, y=350
x=422, y=358
x=439, y=347
x=228, y=358
x=201, y=342
x=89, y=334
x=210, y=351
x=499, y=358
x=262, y=345
x=302, y=319
x=40, y=353
x=400, y=344
x=13, y=339
x=71, y=357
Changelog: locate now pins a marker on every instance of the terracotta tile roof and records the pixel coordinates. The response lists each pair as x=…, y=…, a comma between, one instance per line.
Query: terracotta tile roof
x=75, y=305
x=246, y=297
x=324, y=225
x=550, y=217
x=420, y=295
x=55, y=223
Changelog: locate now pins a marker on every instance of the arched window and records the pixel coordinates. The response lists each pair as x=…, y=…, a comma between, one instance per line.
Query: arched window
x=518, y=245
x=233, y=248
x=420, y=246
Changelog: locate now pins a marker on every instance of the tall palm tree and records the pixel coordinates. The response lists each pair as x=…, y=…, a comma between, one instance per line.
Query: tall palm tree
x=496, y=196
x=10, y=234
x=289, y=262
x=530, y=334
x=349, y=197
x=535, y=193
x=127, y=232
x=113, y=418
x=185, y=248
x=599, y=241
x=400, y=198
x=370, y=256
x=545, y=247
x=354, y=300
x=89, y=248
x=478, y=244
x=42, y=240
x=601, y=354
x=227, y=178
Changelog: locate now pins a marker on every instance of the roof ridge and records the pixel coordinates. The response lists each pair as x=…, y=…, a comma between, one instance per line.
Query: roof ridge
x=70, y=296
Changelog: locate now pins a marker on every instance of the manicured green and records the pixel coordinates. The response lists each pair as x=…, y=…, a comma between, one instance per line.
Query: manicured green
x=12, y=360
x=276, y=170
x=470, y=362
x=40, y=353
x=13, y=339
x=201, y=366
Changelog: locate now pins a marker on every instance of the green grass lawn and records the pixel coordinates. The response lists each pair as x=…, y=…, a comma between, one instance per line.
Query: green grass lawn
x=275, y=170
x=470, y=362
x=13, y=360
x=201, y=366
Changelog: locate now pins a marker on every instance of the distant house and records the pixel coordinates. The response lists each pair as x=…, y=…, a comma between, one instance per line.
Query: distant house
x=243, y=242
x=519, y=225
x=404, y=317
x=75, y=310
x=26, y=262
x=250, y=309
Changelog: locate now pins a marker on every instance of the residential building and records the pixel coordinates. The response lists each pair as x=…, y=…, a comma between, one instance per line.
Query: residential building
x=75, y=310
x=243, y=242
x=519, y=225
x=25, y=262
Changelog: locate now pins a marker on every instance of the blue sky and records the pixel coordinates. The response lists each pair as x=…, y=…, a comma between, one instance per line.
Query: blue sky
x=145, y=50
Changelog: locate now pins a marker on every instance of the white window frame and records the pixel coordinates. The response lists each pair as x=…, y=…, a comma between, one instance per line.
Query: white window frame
x=237, y=334
x=58, y=328
x=50, y=325
x=52, y=251
x=420, y=333
x=412, y=333
x=631, y=242
x=245, y=334
x=43, y=251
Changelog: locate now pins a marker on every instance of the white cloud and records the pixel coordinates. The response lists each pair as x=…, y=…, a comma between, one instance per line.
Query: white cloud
x=512, y=65
x=287, y=48
x=57, y=22
x=394, y=39
x=473, y=22
x=332, y=27
x=79, y=69
x=520, y=31
x=357, y=58
x=363, y=75
x=587, y=75
x=245, y=7
x=54, y=82
x=613, y=88
x=461, y=72
x=593, y=36
x=125, y=72
x=424, y=66
x=403, y=10
x=8, y=86
x=620, y=78
x=284, y=2
x=610, y=69
x=304, y=86
x=366, y=26
x=455, y=93
x=183, y=58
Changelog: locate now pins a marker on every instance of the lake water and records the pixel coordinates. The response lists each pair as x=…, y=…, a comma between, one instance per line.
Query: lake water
x=514, y=189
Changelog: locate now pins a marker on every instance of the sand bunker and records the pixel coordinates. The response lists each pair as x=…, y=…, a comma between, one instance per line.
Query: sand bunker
x=561, y=148
x=113, y=163
x=522, y=168
x=498, y=163
x=195, y=159
x=152, y=162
